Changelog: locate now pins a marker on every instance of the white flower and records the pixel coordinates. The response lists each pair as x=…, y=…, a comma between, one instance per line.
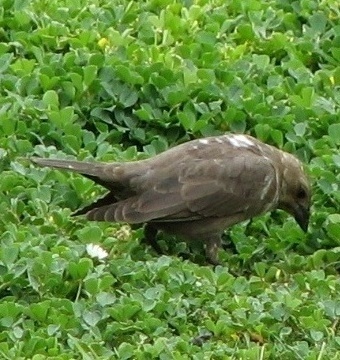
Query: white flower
x=95, y=251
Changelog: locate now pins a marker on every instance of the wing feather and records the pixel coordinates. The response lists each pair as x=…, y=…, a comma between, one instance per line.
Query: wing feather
x=196, y=189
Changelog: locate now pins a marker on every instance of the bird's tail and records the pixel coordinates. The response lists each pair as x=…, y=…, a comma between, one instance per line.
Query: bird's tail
x=81, y=167
x=114, y=176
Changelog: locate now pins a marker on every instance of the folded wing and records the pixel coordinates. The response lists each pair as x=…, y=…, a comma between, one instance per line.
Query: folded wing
x=195, y=189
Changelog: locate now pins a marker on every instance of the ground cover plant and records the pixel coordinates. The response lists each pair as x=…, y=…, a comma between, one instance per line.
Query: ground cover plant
x=125, y=80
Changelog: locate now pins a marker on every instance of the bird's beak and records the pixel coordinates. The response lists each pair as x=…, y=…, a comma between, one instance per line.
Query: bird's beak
x=301, y=215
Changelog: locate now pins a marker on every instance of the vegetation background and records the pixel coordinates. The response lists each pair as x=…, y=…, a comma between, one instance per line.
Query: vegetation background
x=122, y=80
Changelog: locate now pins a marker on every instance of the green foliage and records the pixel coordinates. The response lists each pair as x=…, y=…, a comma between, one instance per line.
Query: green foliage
x=125, y=80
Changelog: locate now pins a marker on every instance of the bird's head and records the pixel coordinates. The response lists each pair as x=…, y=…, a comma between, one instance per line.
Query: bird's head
x=295, y=195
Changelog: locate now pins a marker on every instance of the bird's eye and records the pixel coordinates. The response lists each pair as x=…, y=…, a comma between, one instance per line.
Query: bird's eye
x=301, y=194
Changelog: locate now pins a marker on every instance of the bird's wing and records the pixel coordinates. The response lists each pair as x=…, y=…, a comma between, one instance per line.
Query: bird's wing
x=196, y=189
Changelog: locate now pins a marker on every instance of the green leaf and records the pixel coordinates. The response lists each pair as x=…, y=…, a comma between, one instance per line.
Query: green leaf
x=300, y=129
x=128, y=98
x=336, y=159
x=333, y=230
x=277, y=136
x=90, y=234
x=91, y=317
x=8, y=125
x=23, y=66
x=187, y=119
x=124, y=312
x=9, y=254
x=318, y=22
x=145, y=112
x=71, y=142
x=90, y=74
x=77, y=81
x=125, y=351
x=91, y=285
x=316, y=335
x=5, y=61
x=51, y=99
x=175, y=97
x=206, y=74
x=261, y=61
x=128, y=76
x=80, y=270
x=334, y=132
x=39, y=311
x=260, y=269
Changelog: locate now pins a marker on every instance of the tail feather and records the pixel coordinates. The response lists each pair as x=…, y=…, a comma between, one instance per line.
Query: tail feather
x=110, y=175
x=108, y=199
x=82, y=167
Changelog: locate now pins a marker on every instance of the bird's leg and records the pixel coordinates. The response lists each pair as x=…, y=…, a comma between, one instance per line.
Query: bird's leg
x=228, y=244
x=212, y=245
x=150, y=233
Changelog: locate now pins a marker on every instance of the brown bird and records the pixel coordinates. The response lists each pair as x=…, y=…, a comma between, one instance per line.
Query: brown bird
x=197, y=189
